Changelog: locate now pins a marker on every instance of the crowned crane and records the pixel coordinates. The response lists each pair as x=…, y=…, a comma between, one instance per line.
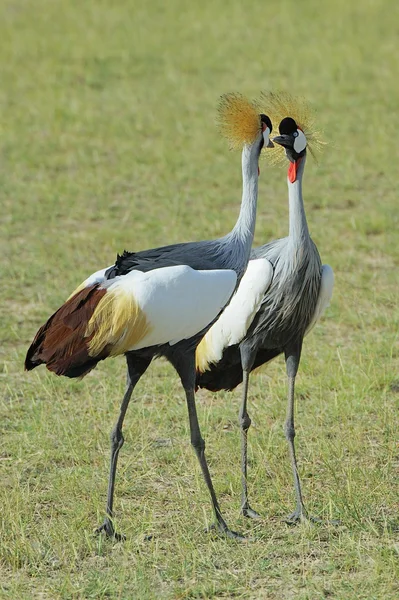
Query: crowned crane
x=159, y=302
x=270, y=316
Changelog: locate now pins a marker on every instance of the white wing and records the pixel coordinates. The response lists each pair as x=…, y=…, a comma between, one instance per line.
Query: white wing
x=325, y=294
x=97, y=277
x=236, y=318
x=161, y=306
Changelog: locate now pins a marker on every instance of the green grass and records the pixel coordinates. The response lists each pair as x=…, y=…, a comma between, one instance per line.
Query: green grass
x=107, y=141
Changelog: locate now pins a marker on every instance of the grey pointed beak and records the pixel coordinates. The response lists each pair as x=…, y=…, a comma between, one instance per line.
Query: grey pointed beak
x=285, y=140
x=270, y=144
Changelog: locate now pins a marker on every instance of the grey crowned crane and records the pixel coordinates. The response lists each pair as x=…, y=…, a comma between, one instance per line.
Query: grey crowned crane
x=159, y=302
x=271, y=315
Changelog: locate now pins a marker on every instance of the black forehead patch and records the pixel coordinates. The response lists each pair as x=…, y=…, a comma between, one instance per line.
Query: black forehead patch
x=266, y=120
x=287, y=126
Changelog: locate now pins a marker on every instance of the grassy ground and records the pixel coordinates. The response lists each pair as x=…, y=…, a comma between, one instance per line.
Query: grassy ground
x=107, y=141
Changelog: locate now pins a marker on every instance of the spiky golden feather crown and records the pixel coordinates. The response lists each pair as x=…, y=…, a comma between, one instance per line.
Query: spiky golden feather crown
x=282, y=104
x=239, y=120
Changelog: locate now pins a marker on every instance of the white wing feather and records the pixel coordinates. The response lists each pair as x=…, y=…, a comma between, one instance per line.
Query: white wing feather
x=233, y=323
x=97, y=277
x=177, y=301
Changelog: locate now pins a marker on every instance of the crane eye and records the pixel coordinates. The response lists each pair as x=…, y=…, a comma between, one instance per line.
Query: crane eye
x=295, y=134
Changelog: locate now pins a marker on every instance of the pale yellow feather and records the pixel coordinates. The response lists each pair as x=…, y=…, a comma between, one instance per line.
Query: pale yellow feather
x=204, y=356
x=117, y=321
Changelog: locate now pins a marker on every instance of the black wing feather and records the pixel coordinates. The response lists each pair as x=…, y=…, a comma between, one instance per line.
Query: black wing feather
x=227, y=373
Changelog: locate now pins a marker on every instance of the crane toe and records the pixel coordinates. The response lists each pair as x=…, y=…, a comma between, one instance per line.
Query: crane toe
x=108, y=529
x=249, y=512
x=224, y=531
x=302, y=516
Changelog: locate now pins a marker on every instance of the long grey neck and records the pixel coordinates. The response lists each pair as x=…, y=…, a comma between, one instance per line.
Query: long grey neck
x=298, y=227
x=242, y=234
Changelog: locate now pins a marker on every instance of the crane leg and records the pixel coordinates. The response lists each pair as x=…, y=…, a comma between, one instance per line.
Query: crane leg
x=185, y=366
x=292, y=358
x=300, y=513
x=136, y=367
x=247, y=361
x=245, y=423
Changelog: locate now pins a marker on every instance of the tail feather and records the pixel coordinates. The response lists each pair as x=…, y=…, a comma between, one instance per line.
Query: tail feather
x=227, y=373
x=61, y=344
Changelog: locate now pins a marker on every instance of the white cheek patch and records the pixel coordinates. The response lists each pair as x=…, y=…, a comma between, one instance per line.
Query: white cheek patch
x=300, y=142
x=266, y=136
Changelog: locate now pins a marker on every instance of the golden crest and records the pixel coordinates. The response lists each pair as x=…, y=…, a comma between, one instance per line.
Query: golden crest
x=278, y=105
x=238, y=119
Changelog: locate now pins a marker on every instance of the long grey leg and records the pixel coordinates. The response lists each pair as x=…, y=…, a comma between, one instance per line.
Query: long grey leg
x=185, y=366
x=300, y=513
x=245, y=423
x=136, y=367
x=244, y=420
x=292, y=358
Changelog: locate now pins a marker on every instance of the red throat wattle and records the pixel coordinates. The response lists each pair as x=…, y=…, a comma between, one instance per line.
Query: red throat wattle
x=292, y=170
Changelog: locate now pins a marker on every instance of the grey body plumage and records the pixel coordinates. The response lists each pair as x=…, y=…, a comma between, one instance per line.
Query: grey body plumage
x=290, y=302
x=203, y=255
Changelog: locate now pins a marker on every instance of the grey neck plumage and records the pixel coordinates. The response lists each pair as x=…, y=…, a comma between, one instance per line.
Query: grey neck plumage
x=238, y=242
x=298, y=226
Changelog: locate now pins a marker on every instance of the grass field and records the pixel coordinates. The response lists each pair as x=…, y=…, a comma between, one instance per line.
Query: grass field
x=108, y=141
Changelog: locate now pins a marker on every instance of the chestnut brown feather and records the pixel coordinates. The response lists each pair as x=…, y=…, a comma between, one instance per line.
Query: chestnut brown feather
x=61, y=344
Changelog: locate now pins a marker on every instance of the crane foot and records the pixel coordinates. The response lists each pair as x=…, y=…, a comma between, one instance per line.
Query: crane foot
x=224, y=531
x=296, y=517
x=249, y=512
x=108, y=528
x=301, y=516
